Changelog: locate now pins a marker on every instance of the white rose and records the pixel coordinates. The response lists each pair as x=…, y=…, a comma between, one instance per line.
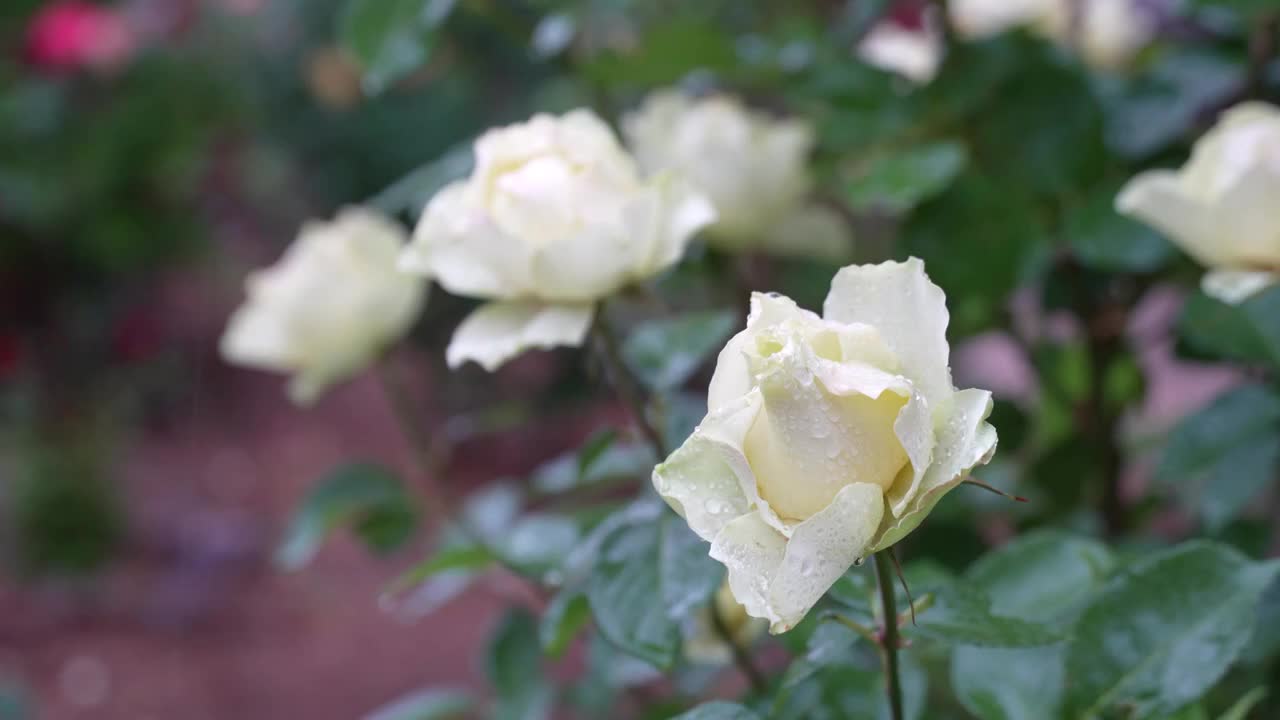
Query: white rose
x=554, y=217
x=826, y=438
x=754, y=168
x=914, y=53
x=1223, y=206
x=328, y=306
x=705, y=644
x=1109, y=32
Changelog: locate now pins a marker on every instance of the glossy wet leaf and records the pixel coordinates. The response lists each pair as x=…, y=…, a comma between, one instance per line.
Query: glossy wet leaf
x=665, y=353
x=566, y=615
x=513, y=664
x=898, y=181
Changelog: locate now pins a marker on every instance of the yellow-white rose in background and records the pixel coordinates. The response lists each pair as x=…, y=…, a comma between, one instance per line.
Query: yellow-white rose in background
x=826, y=438
x=1223, y=206
x=753, y=167
x=328, y=306
x=554, y=217
x=1107, y=33
x=706, y=645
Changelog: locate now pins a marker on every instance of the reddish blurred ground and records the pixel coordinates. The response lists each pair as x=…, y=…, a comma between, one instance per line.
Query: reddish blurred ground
x=194, y=622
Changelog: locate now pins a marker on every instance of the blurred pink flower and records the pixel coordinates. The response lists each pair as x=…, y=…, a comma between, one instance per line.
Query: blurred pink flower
x=73, y=35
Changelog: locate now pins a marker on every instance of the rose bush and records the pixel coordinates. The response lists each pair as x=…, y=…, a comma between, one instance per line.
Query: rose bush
x=1107, y=33
x=1221, y=206
x=826, y=438
x=329, y=306
x=554, y=217
x=754, y=168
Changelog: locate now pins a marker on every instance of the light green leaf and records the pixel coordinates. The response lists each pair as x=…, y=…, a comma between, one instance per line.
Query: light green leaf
x=619, y=461
x=665, y=353
x=428, y=704
x=514, y=667
x=457, y=557
x=369, y=498
x=962, y=615
x=718, y=710
x=564, y=617
x=1222, y=456
x=391, y=38
x=897, y=182
x=1164, y=630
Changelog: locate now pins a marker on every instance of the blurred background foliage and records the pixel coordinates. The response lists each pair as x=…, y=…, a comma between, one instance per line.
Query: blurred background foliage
x=142, y=142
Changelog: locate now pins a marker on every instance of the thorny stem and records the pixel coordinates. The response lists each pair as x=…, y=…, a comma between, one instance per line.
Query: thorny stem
x=889, y=640
x=633, y=397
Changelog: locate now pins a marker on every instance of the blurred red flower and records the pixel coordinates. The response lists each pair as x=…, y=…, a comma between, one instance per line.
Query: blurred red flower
x=73, y=35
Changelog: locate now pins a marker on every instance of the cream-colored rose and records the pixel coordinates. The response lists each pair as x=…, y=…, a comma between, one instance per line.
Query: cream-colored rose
x=755, y=169
x=826, y=438
x=914, y=53
x=554, y=217
x=1107, y=33
x=328, y=306
x=1223, y=206
x=705, y=643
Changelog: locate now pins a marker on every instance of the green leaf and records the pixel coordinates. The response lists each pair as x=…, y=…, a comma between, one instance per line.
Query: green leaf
x=967, y=253
x=514, y=668
x=1148, y=111
x=665, y=353
x=617, y=462
x=621, y=591
x=391, y=38
x=1044, y=127
x=459, y=557
x=1106, y=240
x=367, y=497
x=1044, y=576
x=564, y=617
x=1248, y=332
x=687, y=575
x=718, y=710
x=666, y=54
x=539, y=542
x=593, y=448
x=1241, y=708
x=428, y=704
x=839, y=691
x=1222, y=456
x=410, y=194
x=898, y=182
x=1164, y=630
x=962, y=615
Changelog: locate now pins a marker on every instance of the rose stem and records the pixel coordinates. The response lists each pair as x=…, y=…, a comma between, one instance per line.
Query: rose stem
x=629, y=392
x=889, y=638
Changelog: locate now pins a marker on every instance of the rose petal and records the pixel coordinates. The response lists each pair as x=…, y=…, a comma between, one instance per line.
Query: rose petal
x=964, y=442
x=1157, y=198
x=900, y=301
x=498, y=331
x=781, y=580
x=703, y=480
x=458, y=244
x=1235, y=286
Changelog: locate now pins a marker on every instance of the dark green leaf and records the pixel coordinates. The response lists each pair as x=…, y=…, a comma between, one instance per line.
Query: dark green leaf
x=621, y=592
x=665, y=353
x=1164, y=630
x=458, y=557
x=1106, y=240
x=666, y=54
x=842, y=691
x=1248, y=332
x=718, y=710
x=1147, y=112
x=1045, y=576
x=593, y=448
x=391, y=38
x=968, y=252
x=367, y=497
x=514, y=668
x=687, y=576
x=961, y=614
x=1222, y=456
x=898, y=182
x=429, y=704
x=567, y=613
